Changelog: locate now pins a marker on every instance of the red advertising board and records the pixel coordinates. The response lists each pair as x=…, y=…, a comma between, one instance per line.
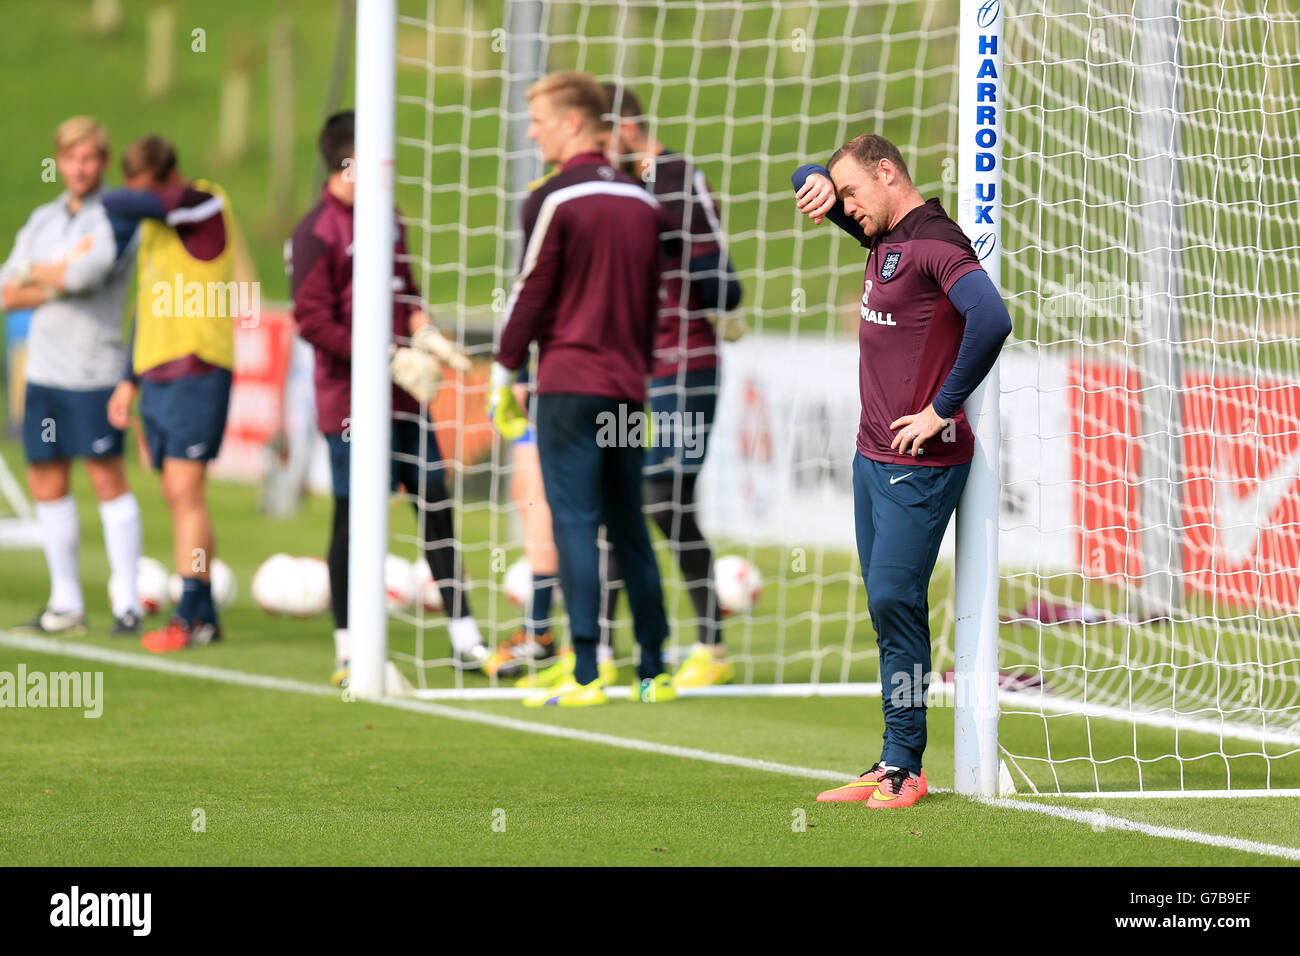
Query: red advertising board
x=262, y=351
x=1240, y=487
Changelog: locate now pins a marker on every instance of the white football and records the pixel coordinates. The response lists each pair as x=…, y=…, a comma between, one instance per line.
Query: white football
x=150, y=585
x=310, y=590
x=271, y=583
x=174, y=586
x=425, y=586
x=519, y=583
x=739, y=584
x=224, y=587
x=399, y=584
x=284, y=584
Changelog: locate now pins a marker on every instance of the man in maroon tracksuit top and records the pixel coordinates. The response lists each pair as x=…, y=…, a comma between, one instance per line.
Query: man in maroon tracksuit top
x=588, y=294
x=322, y=304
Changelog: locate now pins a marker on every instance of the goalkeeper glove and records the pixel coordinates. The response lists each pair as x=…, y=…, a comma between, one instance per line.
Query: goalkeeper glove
x=428, y=339
x=730, y=327
x=507, y=416
x=416, y=372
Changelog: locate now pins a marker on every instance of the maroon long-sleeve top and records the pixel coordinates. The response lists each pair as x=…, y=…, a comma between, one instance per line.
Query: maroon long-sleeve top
x=588, y=289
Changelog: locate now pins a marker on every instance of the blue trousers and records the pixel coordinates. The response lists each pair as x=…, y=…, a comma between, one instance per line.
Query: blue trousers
x=901, y=512
x=586, y=486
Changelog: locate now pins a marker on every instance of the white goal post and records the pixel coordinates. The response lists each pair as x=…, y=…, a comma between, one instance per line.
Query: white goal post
x=372, y=306
x=979, y=213
x=1116, y=610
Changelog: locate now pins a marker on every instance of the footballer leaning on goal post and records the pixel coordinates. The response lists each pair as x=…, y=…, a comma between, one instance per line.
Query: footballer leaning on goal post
x=931, y=326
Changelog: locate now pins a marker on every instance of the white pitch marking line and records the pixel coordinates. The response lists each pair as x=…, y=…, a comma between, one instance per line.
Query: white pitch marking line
x=1093, y=818
x=1105, y=821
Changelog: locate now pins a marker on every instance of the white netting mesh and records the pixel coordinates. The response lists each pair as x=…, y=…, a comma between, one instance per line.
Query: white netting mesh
x=1151, y=261
x=748, y=92
x=1149, y=391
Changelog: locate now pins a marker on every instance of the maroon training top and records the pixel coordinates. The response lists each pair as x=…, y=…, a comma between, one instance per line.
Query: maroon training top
x=909, y=332
x=588, y=290
x=685, y=340
x=322, y=305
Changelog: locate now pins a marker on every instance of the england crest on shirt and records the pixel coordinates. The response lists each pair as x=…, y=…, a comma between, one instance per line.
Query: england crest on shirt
x=890, y=265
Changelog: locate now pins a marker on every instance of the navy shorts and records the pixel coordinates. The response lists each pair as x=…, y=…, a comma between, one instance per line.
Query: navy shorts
x=407, y=463
x=185, y=418
x=61, y=423
x=683, y=410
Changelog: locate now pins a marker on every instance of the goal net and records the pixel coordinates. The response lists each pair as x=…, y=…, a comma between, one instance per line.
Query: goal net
x=18, y=527
x=1150, y=450
x=1150, y=403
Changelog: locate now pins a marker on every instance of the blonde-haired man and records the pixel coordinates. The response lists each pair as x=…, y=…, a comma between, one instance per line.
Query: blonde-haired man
x=588, y=294
x=71, y=267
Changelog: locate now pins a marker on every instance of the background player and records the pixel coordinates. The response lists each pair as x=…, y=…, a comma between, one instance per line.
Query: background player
x=588, y=293
x=699, y=285
x=931, y=326
x=322, y=306
x=71, y=268
x=182, y=354
x=534, y=642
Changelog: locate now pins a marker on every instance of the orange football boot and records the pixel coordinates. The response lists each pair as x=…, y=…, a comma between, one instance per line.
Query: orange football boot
x=859, y=789
x=180, y=634
x=897, y=789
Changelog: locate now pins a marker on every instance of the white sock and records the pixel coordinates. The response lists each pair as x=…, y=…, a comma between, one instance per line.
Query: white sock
x=342, y=652
x=59, y=536
x=464, y=633
x=604, y=653
x=121, y=520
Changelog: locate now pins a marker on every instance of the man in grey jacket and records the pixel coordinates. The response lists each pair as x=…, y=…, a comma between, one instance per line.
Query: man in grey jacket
x=70, y=268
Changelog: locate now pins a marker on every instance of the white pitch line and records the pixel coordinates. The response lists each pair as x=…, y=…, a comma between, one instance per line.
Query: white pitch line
x=165, y=665
x=1094, y=818
x=107, y=655
x=1104, y=821
x=1165, y=794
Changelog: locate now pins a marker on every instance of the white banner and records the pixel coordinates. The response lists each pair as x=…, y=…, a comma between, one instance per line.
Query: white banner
x=1036, y=515
x=780, y=464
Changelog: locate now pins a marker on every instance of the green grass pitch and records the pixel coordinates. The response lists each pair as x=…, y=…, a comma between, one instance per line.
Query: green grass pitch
x=290, y=778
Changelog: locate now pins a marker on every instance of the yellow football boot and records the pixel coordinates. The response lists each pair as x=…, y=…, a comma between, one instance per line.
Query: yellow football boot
x=569, y=693
x=653, y=690
x=561, y=670
x=703, y=668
